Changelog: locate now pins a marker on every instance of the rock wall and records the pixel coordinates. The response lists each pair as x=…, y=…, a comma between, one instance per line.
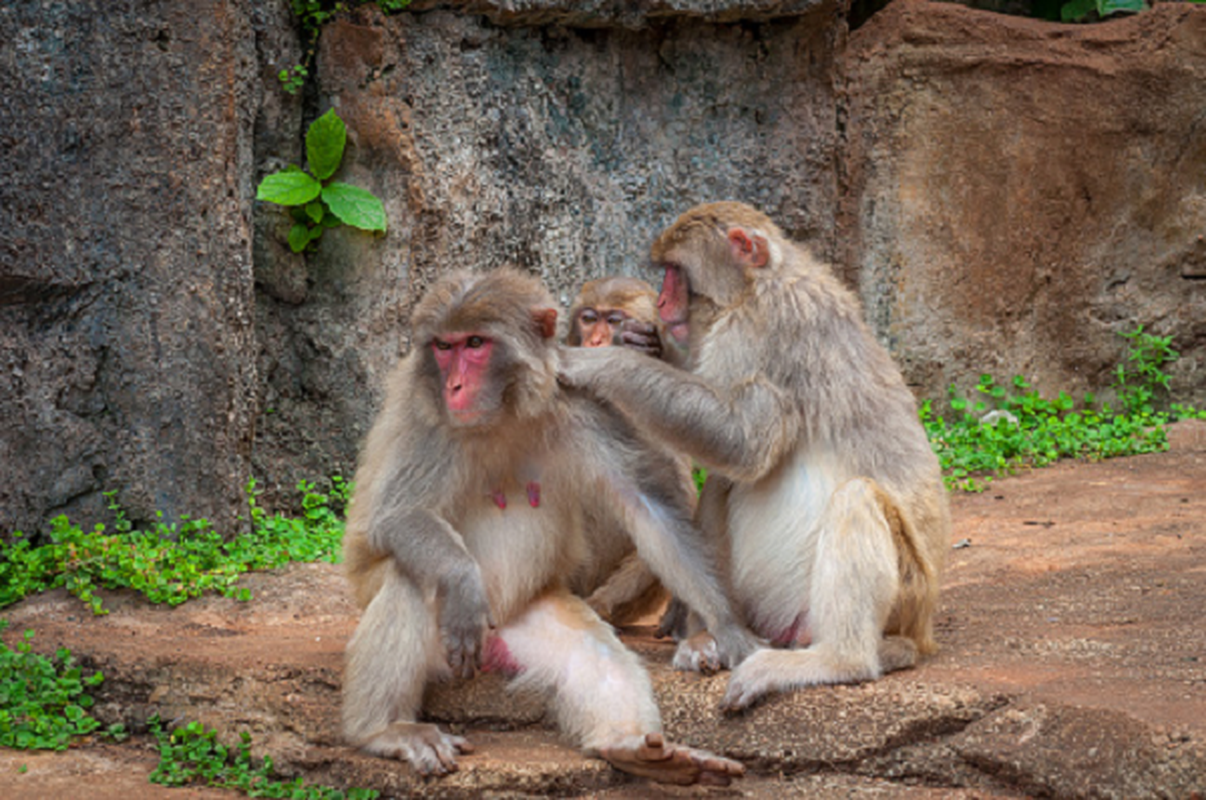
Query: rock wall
x=1019, y=192
x=127, y=356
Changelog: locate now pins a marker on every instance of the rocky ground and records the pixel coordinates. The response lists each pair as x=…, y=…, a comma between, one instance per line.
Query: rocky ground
x=1073, y=665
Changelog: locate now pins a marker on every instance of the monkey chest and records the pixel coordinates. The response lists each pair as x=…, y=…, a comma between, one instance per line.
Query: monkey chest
x=522, y=538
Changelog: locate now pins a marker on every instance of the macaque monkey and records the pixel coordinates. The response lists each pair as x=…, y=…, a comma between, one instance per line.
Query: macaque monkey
x=467, y=516
x=620, y=311
x=822, y=486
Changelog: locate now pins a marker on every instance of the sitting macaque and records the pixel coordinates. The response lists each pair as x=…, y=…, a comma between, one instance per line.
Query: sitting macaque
x=471, y=492
x=822, y=488
x=620, y=311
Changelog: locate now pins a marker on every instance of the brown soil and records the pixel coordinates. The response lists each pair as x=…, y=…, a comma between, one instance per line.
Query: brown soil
x=1073, y=664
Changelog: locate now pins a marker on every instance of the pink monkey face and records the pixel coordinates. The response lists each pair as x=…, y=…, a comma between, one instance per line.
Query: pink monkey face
x=673, y=302
x=464, y=361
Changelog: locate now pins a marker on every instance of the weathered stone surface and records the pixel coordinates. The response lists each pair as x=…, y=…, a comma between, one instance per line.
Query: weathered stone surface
x=1061, y=751
x=126, y=348
x=557, y=149
x=610, y=13
x=1019, y=192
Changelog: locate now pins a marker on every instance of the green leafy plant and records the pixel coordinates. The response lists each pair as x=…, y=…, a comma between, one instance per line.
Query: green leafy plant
x=1140, y=379
x=1028, y=430
x=193, y=755
x=1082, y=10
x=312, y=16
x=316, y=202
x=43, y=701
x=173, y=562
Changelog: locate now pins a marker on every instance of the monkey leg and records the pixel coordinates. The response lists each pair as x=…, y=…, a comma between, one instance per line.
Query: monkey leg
x=391, y=656
x=855, y=580
x=631, y=592
x=601, y=694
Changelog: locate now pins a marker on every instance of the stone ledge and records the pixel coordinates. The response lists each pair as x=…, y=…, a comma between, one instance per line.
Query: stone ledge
x=623, y=13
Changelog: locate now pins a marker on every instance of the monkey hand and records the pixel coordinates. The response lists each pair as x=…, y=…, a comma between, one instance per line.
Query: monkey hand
x=698, y=653
x=464, y=620
x=651, y=756
x=640, y=336
x=706, y=652
x=579, y=365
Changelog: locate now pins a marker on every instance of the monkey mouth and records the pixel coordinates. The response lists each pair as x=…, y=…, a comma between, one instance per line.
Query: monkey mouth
x=679, y=330
x=466, y=417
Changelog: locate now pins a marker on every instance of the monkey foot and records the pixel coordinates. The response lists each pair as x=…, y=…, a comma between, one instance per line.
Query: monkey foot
x=427, y=749
x=756, y=677
x=651, y=756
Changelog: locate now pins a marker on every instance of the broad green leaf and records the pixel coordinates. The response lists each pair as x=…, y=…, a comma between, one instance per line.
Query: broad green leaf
x=299, y=237
x=315, y=211
x=288, y=188
x=1107, y=7
x=325, y=140
x=1076, y=10
x=355, y=206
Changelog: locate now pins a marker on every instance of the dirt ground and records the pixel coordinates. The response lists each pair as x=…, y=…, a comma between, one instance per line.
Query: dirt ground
x=1073, y=665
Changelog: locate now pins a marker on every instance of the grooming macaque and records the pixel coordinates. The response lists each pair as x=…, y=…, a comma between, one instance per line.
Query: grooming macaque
x=822, y=486
x=470, y=496
x=620, y=311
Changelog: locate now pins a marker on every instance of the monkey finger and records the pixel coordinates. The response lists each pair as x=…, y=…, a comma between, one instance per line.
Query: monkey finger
x=459, y=661
x=722, y=766
x=639, y=341
x=654, y=748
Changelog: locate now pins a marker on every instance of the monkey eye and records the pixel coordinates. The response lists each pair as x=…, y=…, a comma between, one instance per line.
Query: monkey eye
x=440, y=344
x=615, y=318
x=474, y=342
x=589, y=316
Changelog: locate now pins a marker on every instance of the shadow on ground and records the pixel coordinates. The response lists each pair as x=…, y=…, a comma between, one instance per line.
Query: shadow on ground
x=1073, y=665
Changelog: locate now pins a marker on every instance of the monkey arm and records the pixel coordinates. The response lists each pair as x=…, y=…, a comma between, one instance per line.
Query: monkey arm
x=742, y=430
x=430, y=553
x=641, y=487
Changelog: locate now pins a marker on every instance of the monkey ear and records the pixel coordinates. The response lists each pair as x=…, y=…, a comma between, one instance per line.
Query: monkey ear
x=545, y=320
x=748, y=250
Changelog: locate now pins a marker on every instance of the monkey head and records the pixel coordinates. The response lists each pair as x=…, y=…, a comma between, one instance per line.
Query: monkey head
x=489, y=348
x=603, y=306
x=709, y=255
